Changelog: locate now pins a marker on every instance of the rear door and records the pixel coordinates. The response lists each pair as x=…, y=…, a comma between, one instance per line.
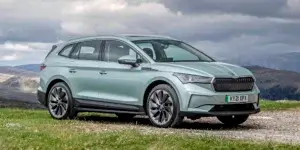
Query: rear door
x=84, y=70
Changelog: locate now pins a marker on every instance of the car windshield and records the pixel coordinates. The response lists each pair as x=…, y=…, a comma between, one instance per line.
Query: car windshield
x=171, y=51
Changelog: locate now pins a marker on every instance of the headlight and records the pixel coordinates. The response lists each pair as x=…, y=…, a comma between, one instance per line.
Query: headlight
x=188, y=78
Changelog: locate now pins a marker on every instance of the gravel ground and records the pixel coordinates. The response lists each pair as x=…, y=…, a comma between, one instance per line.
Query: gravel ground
x=276, y=126
x=283, y=126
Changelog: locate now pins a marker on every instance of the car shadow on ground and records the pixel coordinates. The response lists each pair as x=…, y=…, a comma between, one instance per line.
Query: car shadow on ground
x=187, y=124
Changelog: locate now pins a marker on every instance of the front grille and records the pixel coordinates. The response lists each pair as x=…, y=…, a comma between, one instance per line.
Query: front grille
x=233, y=85
x=233, y=107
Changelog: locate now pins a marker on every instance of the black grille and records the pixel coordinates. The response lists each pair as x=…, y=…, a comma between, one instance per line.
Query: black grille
x=233, y=107
x=233, y=85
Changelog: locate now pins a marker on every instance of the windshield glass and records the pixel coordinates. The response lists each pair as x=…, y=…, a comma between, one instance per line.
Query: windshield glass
x=171, y=51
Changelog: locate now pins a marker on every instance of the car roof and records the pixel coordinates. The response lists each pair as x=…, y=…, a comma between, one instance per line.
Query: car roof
x=130, y=37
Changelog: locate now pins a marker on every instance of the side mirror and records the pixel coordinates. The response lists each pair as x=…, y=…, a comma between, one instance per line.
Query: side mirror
x=129, y=60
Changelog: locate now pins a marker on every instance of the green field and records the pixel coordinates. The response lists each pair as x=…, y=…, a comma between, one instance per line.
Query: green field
x=279, y=105
x=34, y=129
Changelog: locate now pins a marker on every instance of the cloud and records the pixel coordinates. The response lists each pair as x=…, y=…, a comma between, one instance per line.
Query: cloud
x=9, y=57
x=16, y=47
x=15, y=53
x=218, y=27
x=259, y=8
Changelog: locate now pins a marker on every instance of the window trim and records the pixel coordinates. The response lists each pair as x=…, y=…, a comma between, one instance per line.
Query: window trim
x=129, y=45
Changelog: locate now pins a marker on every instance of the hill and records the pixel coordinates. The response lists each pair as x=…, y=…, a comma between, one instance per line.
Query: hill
x=286, y=61
x=16, y=71
x=12, y=78
x=277, y=84
x=29, y=67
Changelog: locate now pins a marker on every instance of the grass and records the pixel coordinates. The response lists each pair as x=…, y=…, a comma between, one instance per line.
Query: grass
x=278, y=105
x=34, y=129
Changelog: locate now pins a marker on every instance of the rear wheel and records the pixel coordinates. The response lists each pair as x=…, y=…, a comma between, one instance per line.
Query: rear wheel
x=163, y=107
x=60, y=102
x=233, y=120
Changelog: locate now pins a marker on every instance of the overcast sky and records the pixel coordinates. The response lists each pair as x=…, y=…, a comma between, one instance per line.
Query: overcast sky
x=221, y=28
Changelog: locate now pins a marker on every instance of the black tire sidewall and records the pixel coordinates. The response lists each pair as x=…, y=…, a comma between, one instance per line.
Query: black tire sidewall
x=175, y=119
x=239, y=119
x=71, y=113
x=125, y=116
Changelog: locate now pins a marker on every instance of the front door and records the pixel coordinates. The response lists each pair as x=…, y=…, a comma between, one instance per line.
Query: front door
x=121, y=83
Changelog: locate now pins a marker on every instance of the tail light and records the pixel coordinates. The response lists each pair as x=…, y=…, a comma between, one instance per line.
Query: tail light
x=42, y=67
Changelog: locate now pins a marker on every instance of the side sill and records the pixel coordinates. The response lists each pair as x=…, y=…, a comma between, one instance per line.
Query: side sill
x=79, y=109
x=83, y=105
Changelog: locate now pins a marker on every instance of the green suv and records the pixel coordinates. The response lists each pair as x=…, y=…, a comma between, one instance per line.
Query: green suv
x=161, y=77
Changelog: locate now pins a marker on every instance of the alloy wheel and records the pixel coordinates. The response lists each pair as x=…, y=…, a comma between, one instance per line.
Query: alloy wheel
x=58, y=102
x=160, y=107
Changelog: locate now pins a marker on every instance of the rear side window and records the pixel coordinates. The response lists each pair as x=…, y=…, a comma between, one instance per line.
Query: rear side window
x=66, y=51
x=89, y=50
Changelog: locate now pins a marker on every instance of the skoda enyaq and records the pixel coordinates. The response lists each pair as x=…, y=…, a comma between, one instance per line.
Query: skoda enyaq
x=161, y=77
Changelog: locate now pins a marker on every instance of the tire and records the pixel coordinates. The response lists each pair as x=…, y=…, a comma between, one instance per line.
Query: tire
x=233, y=120
x=60, y=103
x=162, y=112
x=125, y=116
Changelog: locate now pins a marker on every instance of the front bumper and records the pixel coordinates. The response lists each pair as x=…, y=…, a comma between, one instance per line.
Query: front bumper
x=224, y=110
x=202, y=100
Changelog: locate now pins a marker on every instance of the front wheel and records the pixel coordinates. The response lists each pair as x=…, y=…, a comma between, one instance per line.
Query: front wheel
x=163, y=107
x=233, y=120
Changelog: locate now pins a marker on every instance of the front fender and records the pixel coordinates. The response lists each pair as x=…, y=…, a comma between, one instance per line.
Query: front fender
x=172, y=81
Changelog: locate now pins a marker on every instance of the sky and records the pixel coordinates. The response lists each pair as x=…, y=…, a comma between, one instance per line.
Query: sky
x=224, y=29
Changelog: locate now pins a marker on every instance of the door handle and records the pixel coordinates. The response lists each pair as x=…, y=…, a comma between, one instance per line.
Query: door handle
x=103, y=72
x=72, y=70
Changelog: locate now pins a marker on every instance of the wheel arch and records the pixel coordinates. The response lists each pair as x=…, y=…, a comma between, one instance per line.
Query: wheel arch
x=156, y=82
x=53, y=81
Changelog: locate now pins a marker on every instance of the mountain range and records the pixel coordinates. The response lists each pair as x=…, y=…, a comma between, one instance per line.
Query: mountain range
x=29, y=67
x=285, y=61
x=274, y=84
x=277, y=84
x=18, y=71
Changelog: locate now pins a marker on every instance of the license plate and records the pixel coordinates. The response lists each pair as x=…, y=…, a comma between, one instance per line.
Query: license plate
x=236, y=99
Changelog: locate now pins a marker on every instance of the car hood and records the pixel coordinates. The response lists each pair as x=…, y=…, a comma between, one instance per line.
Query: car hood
x=212, y=69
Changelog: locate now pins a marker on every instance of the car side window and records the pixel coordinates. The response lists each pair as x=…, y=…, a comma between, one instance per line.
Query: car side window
x=66, y=51
x=89, y=50
x=115, y=49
